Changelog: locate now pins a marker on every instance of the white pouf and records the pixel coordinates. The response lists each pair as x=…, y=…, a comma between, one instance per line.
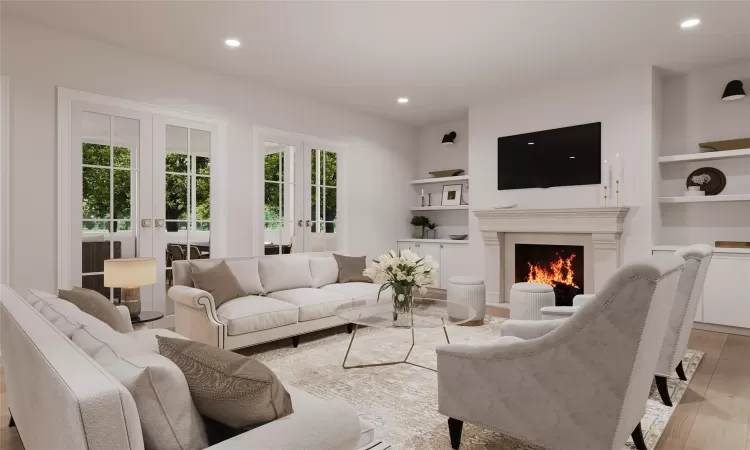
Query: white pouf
x=468, y=291
x=527, y=299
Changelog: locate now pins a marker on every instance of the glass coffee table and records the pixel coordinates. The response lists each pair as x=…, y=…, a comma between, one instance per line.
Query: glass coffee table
x=426, y=313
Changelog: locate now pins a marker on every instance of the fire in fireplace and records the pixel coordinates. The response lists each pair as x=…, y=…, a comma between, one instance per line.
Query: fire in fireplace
x=560, y=266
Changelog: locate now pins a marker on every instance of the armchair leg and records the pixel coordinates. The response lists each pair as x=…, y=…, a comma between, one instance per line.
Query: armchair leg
x=295, y=341
x=454, y=429
x=681, y=372
x=637, y=436
x=661, y=385
x=349, y=328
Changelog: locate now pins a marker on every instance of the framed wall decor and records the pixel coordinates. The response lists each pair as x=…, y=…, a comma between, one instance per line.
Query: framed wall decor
x=452, y=194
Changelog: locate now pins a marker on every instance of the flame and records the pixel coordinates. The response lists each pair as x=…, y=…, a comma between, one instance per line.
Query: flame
x=559, y=271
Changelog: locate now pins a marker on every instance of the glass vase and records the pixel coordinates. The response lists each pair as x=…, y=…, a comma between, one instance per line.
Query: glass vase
x=402, y=305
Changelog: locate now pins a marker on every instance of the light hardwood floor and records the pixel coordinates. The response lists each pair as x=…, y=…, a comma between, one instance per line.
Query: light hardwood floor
x=714, y=413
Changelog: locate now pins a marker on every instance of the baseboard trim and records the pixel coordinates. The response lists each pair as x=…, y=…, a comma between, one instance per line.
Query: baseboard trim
x=721, y=328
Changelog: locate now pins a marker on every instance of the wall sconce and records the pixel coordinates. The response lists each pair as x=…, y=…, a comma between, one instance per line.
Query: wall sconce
x=450, y=138
x=733, y=91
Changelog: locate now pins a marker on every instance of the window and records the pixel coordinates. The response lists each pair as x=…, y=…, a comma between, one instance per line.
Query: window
x=323, y=169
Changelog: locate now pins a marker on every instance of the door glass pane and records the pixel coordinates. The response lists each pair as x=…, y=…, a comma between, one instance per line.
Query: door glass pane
x=122, y=191
x=329, y=169
x=96, y=199
x=95, y=154
x=330, y=204
x=177, y=198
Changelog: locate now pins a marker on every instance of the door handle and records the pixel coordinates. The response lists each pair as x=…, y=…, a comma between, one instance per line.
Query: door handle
x=299, y=223
x=159, y=223
x=146, y=223
x=307, y=223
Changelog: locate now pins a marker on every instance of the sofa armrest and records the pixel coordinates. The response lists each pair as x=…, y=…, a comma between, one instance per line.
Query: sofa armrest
x=125, y=314
x=488, y=350
x=192, y=297
x=582, y=299
x=528, y=329
x=336, y=427
x=195, y=316
x=558, y=312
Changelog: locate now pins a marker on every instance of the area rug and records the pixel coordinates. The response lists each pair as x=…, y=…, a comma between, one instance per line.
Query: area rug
x=401, y=400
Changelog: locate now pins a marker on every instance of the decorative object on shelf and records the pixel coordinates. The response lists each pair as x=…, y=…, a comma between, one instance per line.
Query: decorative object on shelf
x=733, y=91
x=421, y=203
x=465, y=195
x=732, y=144
x=130, y=274
x=431, y=230
x=420, y=224
x=447, y=173
x=607, y=180
x=710, y=180
x=452, y=194
x=732, y=244
x=429, y=199
x=694, y=191
x=458, y=237
x=505, y=206
x=450, y=138
x=403, y=273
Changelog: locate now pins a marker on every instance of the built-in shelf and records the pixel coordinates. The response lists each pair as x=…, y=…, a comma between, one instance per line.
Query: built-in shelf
x=438, y=208
x=436, y=241
x=707, y=199
x=674, y=248
x=705, y=156
x=459, y=178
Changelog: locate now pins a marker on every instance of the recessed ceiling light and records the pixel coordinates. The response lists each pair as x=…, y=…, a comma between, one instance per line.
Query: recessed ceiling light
x=572, y=157
x=231, y=42
x=531, y=143
x=403, y=100
x=690, y=23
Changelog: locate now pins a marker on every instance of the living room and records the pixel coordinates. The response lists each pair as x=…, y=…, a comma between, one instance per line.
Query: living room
x=263, y=134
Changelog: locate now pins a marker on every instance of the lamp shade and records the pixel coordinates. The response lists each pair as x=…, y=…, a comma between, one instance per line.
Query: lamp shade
x=733, y=91
x=129, y=272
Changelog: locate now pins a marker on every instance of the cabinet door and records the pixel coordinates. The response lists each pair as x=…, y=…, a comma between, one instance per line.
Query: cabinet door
x=454, y=260
x=433, y=250
x=726, y=297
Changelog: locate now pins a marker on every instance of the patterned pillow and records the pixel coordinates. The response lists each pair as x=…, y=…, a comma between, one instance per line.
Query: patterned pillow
x=229, y=388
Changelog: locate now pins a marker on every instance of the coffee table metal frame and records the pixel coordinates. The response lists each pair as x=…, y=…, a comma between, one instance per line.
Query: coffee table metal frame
x=391, y=363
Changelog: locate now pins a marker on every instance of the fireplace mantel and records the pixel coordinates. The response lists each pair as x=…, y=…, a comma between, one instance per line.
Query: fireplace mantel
x=604, y=225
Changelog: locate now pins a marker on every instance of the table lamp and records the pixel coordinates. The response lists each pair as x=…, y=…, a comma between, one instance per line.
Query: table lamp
x=130, y=274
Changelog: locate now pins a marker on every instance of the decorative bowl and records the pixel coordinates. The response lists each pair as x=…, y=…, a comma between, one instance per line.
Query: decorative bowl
x=458, y=237
x=447, y=173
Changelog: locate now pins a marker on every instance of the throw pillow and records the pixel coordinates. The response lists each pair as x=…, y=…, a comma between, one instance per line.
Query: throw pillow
x=232, y=389
x=95, y=304
x=324, y=271
x=351, y=268
x=219, y=281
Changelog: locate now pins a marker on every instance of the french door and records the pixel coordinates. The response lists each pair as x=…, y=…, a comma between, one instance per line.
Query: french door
x=300, y=194
x=111, y=184
x=140, y=186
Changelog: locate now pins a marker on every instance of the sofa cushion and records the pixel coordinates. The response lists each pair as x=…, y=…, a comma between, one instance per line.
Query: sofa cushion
x=324, y=270
x=169, y=419
x=147, y=337
x=280, y=273
x=360, y=291
x=313, y=303
x=351, y=269
x=253, y=313
x=66, y=316
x=245, y=270
x=219, y=281
x=95, y=304
x=232, y=389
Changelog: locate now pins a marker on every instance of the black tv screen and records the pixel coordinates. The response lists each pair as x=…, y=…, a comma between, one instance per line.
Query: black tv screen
x=567, y=156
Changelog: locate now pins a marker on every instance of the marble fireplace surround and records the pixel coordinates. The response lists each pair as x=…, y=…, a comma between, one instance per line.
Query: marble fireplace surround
x=598, y=229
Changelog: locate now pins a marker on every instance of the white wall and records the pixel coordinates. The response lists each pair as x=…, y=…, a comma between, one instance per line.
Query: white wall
x=624, y=105
x=380, y=161
x=694, y=113
x=433, y=155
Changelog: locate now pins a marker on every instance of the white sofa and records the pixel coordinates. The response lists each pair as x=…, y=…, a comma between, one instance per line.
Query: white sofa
x=287, y=295
x=60, y=397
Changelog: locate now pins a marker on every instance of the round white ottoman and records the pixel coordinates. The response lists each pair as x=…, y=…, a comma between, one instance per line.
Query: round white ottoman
x=526, y=300
x=468, y=291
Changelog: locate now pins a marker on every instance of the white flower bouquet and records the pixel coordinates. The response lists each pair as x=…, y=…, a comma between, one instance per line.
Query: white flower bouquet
x=402, y=273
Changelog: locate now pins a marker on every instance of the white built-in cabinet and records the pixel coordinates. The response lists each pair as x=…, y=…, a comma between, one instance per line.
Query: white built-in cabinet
x=452, y=256
x=726, y=296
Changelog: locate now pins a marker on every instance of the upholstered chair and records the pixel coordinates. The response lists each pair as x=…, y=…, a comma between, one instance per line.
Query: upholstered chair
x=689, y=290
x=572, y=384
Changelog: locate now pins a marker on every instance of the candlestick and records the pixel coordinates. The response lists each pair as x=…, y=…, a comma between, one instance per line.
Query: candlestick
x=617, y=183
x=605, y=195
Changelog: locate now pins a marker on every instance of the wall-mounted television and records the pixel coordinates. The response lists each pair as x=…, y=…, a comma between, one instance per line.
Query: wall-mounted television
x=567, y=156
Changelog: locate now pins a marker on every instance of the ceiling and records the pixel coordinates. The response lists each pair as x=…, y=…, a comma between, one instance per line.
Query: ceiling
x=444, y=56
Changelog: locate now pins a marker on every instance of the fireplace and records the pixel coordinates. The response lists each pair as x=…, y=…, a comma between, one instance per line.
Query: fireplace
x=560, y=266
